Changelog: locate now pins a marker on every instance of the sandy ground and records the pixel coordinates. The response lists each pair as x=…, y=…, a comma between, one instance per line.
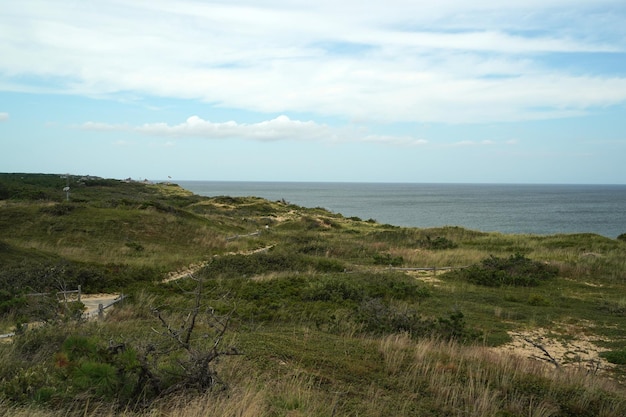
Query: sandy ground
x=192, y=269
x=92, y=304
x=563, y=348
x=565, y=345
x=93, y=301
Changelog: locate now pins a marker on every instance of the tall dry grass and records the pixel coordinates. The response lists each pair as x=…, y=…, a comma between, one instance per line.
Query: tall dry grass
x=478, y=381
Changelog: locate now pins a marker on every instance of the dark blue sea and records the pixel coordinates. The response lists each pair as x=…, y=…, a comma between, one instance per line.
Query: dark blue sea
x=505, y=208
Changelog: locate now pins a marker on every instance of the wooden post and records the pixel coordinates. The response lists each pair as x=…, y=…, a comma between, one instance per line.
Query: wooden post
x=100, y=311
x=79, y=293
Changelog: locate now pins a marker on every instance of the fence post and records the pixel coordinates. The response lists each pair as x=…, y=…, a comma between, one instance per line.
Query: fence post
x=79, y=293
x=100, y=311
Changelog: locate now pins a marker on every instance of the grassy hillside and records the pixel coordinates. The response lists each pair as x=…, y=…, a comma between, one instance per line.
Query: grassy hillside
x=243, y=306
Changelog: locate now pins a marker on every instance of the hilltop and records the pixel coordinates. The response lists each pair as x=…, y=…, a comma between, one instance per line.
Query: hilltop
x=244, y=306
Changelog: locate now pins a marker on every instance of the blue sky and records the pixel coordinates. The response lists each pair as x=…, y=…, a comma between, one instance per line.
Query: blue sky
x=523, y=91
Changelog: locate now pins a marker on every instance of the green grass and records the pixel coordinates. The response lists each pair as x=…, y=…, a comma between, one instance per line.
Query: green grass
x=325, y=326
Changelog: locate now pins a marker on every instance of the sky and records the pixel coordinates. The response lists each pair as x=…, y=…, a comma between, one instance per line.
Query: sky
x=446, y=91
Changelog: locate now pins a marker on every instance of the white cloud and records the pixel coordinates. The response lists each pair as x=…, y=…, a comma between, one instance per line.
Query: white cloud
x=477, y=143
x=398, y=60
x=280, y=128
x=277, y=129
x=395, y=140
x=4, y=117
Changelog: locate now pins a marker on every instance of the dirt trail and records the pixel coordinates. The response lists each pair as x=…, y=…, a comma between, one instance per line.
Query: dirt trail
x=192, y=269
x=92, y=302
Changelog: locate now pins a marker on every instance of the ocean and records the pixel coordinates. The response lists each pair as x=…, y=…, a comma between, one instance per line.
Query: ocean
x=505, y=208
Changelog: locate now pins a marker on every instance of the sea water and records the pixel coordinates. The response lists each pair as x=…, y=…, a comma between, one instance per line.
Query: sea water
x=505, y=208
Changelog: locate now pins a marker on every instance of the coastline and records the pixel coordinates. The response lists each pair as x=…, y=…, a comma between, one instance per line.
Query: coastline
x=543, y=209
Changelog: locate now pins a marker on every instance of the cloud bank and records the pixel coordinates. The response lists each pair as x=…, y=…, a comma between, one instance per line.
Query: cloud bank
x=281, y=128
x=277, y=129
x=392, y=61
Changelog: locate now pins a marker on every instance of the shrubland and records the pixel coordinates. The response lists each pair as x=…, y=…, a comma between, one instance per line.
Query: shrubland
x=248, y=307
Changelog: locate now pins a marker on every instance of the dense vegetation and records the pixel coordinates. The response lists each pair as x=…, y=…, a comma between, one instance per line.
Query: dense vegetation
x=243, y=306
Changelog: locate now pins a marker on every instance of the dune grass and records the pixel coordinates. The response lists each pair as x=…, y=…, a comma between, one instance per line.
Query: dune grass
x=327, y=314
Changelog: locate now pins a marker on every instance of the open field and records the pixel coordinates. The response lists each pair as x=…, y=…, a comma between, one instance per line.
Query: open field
x=243, y=306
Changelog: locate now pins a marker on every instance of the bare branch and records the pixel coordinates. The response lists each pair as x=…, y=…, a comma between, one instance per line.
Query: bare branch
x=549, y=357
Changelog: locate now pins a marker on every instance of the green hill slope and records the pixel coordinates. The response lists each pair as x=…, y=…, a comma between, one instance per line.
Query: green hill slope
x=243, y=306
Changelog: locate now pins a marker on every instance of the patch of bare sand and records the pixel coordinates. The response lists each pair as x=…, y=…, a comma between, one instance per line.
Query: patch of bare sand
x=184, y=273
x=283, y=218
x=563, y=347
x=424, y=276
x=193, y=268
x=92, y=302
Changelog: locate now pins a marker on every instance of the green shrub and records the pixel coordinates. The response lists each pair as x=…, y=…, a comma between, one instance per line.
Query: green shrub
x=392, y=286
x=617, y=357
x=79, y=347
x=59, y=209
x=99, y=378
x=437, y=243
x=137, y=247
x=538, y=301
x=387, y=259
x=379, y=317
x=25, y=383
x=10, y=302
x=516, y=270
x=326, y=265
x=262, y=263
x=332, y=290
x=616, y=308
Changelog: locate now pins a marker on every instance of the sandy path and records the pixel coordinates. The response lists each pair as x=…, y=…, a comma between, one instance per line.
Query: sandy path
x=192, y=269
x=93, y=301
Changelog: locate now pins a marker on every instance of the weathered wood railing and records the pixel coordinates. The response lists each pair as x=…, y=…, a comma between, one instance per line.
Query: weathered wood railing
x=99, y=313
x=64, y=293
x=102, y=307
x=257, y=233
x=430, y=268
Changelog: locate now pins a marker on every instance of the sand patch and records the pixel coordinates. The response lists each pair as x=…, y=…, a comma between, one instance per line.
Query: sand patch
x=184, y=273
x=424, y=276
x=560, y=348
x=92, y=302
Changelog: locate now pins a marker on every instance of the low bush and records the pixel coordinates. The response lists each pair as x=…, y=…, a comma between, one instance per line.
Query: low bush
x=378, y=317
x=11, y=302
x=437, y=243
x=387, y=259
x=332, y=290
x=617, y=357
x=516, y=270
x=59, y=209
x=261, y=263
